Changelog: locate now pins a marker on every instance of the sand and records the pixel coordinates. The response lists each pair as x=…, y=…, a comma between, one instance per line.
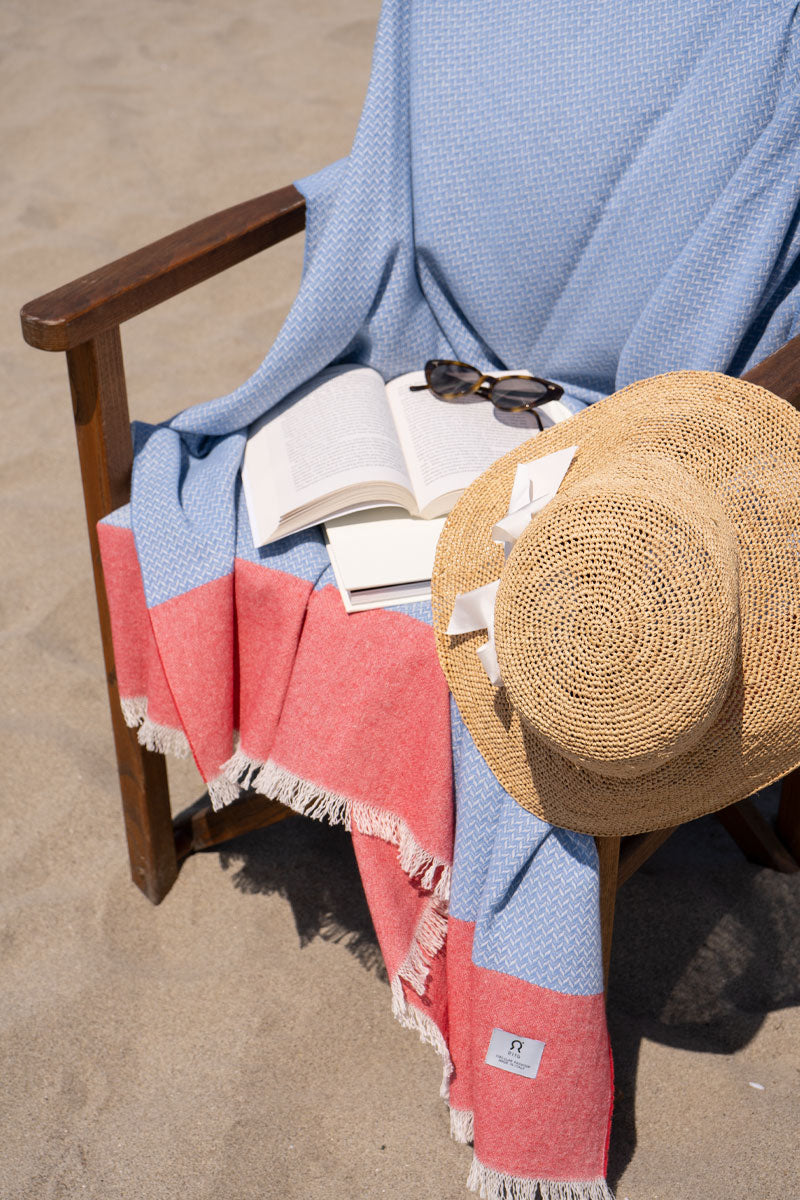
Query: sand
x=237, y=1042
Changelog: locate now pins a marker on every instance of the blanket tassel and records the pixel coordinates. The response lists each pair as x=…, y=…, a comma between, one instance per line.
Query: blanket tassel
x=309, y=800
x=429, y=1032
x=462, y=1125
x=161, y=739
x=493, y=1185
x=429, y=937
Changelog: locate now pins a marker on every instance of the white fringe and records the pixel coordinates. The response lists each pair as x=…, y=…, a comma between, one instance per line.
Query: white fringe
x=429, y=937
x=410, y=1017
x=309, y=800
x=492, y=1185
x=160, y=738
x=462, y=1125
x=134, y=709
x=279, y=784
x=222, y=791
x=416, y=863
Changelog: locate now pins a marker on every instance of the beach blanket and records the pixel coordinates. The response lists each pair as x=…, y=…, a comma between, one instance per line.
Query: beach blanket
x=595, y=192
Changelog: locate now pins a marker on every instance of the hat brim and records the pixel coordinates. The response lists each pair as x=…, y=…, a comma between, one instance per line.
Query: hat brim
x=743, y=444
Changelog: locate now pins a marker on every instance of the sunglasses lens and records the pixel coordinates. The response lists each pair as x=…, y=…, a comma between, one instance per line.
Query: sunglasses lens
x=510, y=394
x=452, y=378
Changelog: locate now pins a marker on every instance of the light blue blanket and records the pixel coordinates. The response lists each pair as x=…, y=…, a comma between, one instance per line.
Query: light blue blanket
x=594, y=191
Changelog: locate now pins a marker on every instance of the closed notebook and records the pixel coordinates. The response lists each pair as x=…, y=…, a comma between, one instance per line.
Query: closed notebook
x=382, y=556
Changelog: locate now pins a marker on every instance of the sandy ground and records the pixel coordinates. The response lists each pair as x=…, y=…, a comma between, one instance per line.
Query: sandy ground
x=237, y=1042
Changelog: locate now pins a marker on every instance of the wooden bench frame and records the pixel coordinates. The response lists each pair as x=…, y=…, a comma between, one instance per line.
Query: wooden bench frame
x=83, y=319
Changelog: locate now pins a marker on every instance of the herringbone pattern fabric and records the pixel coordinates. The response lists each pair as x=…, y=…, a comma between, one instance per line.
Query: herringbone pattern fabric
x=531, y=889
x=609, y=193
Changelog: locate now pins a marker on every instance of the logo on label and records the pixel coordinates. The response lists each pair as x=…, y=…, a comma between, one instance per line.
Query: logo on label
x=508, y=1052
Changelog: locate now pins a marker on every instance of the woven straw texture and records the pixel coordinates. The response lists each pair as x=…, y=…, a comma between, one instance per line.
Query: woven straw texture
x=648, y=619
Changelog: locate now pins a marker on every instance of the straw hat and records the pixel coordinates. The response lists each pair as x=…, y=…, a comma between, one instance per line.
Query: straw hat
x=647, y=619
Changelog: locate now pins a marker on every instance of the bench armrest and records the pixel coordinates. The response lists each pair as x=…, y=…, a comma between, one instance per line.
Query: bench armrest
x=780, y=373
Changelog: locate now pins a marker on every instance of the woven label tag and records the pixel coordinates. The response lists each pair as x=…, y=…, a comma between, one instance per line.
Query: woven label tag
x=510, y=1052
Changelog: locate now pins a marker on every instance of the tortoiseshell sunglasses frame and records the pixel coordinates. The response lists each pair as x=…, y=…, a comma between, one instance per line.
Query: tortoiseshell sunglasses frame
x=553, y=390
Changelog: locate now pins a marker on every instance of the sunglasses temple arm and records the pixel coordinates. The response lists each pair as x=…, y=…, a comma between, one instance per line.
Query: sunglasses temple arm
x=418, y=387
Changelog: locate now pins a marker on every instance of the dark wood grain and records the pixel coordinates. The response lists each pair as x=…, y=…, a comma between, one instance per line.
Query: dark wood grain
x=103, y=299
x=608, y=849
x=637, y=849
x=102, y=426
x=755, y=837
x=780, y=373
x=789, y=814
x=200, y=827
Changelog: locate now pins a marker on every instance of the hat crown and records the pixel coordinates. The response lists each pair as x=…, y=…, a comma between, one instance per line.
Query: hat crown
x=617, y=618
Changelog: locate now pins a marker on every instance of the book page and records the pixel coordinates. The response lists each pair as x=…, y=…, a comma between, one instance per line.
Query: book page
x=335, y=433
x=448, y=444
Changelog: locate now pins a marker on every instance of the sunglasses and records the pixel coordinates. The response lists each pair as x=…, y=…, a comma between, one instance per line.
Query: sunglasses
x=449, y=380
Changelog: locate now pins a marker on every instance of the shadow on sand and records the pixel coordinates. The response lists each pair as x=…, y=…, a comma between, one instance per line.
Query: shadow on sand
x=313, y=866
x=705, y=944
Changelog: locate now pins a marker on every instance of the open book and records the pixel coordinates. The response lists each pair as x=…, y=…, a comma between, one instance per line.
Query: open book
x=347, y=441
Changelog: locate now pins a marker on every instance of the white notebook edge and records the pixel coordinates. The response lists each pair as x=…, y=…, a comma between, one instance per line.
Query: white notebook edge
x=381, y=595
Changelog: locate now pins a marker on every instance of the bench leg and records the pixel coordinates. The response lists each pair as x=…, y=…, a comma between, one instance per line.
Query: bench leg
x=145, y=808
x=789, y=814
x=102, y=428
x=755, y=837
x=608, y=855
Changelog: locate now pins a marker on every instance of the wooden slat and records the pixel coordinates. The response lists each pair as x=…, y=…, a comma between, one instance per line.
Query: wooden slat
x=102, y=426
x=637, y=849
x=756, y=837
x=789, y=814
x=608, y=854
x=780, y=373
x=101, y=300
x=200, y=827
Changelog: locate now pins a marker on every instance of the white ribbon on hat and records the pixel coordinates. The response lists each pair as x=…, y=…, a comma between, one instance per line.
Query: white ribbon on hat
x=535, y=485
